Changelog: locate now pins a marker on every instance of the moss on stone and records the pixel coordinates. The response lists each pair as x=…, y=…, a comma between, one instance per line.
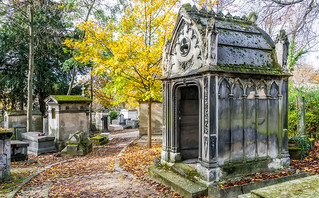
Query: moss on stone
x=97, y=137
x=3, y=130
x=71, y=98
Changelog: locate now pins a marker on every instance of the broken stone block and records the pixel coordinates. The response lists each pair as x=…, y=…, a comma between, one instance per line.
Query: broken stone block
x=78, y=144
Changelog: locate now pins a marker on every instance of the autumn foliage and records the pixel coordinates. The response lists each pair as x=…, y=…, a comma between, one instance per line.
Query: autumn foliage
x=129, y=52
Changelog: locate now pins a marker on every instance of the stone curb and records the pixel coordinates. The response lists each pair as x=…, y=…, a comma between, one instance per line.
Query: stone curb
x=17, y=189
x=118, y=157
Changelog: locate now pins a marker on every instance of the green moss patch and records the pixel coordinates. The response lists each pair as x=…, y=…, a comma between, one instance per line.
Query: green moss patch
x=71, y=98
x=3, y=130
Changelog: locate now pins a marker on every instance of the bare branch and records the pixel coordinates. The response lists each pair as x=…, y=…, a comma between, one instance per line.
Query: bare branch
x=285, y=3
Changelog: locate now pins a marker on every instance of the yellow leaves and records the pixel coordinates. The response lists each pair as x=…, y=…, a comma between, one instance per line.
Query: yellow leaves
x=129, y=52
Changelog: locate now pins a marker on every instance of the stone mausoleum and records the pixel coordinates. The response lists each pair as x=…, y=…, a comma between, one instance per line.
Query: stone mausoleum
x=225, y=92
x=67, y=114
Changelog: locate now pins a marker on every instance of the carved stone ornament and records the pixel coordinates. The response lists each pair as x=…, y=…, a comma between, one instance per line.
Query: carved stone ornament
x=186, y=49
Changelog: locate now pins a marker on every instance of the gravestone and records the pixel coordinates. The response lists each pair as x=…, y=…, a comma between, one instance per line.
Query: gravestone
x=5, y=154
x=225, y=95
x=19, y=150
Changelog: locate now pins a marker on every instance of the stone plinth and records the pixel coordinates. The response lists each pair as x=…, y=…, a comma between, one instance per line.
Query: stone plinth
x=5, y=154
x=19, y=150
x=39, y=144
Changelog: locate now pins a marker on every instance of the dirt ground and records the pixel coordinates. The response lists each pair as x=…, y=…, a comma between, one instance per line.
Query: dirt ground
x=87, y=176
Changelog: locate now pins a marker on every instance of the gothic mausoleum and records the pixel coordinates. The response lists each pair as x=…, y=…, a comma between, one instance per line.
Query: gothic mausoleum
x=225, y=93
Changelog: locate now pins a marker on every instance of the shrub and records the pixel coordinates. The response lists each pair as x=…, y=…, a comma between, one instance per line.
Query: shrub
x=113, y=115
x=311, y=95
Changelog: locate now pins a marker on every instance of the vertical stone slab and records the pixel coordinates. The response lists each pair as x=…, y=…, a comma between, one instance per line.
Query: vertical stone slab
x=274, y=121
x=237, y=129
x=301, y=117
x=224, y=120
x=164, y=156
x=250, y=136
x=283, y=105
x=261, y=121
x=213, y=96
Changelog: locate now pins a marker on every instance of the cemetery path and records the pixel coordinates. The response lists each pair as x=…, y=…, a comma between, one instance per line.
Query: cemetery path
x=90, y=176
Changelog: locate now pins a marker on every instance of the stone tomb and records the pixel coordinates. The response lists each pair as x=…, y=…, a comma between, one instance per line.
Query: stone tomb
x=18, y=119
x=67, y=115
x=225, y=92
x=102, y=120
x=39, y=144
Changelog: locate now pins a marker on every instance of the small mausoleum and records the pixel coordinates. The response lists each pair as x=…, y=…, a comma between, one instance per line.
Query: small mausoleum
x=225, y=92
x=17, y=120
x=67, y=114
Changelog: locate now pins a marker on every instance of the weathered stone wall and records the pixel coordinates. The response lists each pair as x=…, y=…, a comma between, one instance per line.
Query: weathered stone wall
x=130, y=114
x=5, y=154
x=157, y=118
x=18, y=119
x=69, y=118
x=72, y=120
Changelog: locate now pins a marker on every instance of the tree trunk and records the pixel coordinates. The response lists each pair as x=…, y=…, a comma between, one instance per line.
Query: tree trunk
x=149, y=125
x=72, y=81
x=30, y=71
x=91, y=105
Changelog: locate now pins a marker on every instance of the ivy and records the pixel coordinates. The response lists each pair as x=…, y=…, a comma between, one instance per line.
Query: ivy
x=303, y=142
x=311, y=96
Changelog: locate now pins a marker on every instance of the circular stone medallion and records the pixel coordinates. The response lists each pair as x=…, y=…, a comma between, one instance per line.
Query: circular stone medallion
x=185, y=46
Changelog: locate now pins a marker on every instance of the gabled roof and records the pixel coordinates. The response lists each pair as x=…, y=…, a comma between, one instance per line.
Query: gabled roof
x=68, y=99
x=204, y=41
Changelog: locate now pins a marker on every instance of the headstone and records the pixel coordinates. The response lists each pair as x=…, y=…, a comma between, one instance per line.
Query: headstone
x=19, y=150
x=38, y=143
x=17, y=132
x=5, y=154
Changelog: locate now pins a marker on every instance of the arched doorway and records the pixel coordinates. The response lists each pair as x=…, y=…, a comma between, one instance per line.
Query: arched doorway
x=188, y=121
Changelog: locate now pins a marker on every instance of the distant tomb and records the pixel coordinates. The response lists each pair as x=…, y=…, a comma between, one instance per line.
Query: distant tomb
x=225, y=94
x=102, y=120
x=17, y=120
x=157, y=118
x=66, y=115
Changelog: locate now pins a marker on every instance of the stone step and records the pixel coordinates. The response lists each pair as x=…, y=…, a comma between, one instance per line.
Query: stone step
x=178, y=183
x=306, y=187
